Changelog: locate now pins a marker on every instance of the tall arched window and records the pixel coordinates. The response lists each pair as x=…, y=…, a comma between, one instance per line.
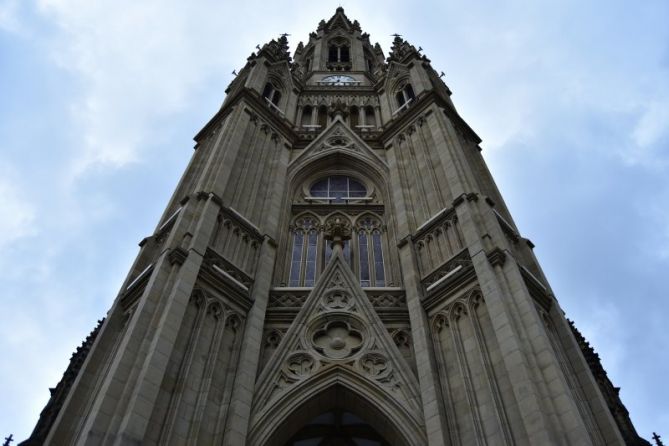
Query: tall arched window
x=307, y=111
x=272, y=93
x=339, y=54
x=370, y=118
x=322, y=116
x=405, y=96
x=333, y=54
x=370, y=252
x=344, y=54
x=354, y=117
x=304, y=252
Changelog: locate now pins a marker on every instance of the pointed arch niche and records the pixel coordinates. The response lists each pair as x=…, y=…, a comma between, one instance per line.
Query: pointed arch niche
x=345, y=187
x=337, y=405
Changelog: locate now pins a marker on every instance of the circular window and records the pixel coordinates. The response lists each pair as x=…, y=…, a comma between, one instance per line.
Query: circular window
x=338, y=188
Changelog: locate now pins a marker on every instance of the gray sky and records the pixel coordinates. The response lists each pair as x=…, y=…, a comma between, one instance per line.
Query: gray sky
x=99, y=102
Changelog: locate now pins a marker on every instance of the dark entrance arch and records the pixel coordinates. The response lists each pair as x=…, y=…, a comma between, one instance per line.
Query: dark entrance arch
x=338, y=416
x=337, y=428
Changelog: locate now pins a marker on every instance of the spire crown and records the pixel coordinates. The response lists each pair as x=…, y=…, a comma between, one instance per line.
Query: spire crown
x=402, y=50
x=276, y=50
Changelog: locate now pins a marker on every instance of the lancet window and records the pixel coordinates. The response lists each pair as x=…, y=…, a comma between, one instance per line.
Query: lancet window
x=306, y=234
x=272, y=94
x=370, y=252
x=339, y=54
x=404, y=96
x=362, y=118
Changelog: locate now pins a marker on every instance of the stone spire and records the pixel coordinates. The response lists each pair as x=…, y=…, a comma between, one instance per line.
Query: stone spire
x=402, y=50
x=276, y=50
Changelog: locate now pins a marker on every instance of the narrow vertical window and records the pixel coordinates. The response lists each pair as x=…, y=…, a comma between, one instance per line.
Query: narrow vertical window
x=370, y=119
x=400, y=98
x=310, y=271
x=328, y=251
x=271, y=94
x=306, y=115
x=296, y=262
x=267, y=91
x=333, y=54
x=347, y=251
x=370, y=247
x=276, y=98
x=408, y=90
x=365, y=280
x=379, y=273
x=343, y=54
x=405, y=95
x=354, y=117
x=323, y=116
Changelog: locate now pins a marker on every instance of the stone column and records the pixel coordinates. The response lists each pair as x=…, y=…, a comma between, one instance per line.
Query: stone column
x=242, y=397
x=428, y=377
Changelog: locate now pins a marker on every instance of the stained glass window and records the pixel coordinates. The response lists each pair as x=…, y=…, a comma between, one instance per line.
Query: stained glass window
x=310, y=274
x=364, y=259
x=346, y=251
x=310, y=252
x=379, y=273
x=370, y=252
x=296, y=261
x=303, y=257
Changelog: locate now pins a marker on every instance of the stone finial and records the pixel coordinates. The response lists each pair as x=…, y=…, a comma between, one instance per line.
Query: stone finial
x=337, y=230
x=402, y=50
x=658, y=439
x=8, y=440
x=276, y=50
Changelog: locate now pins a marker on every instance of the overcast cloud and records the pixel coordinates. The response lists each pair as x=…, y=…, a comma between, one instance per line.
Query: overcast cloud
x=100, y=101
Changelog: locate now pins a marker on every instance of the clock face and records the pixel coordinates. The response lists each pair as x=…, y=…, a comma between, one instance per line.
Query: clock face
x=338, y=79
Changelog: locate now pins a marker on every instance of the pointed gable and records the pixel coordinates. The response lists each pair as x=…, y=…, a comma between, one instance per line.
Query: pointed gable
x=338, y=138
x=339, y=20
x=336, y=329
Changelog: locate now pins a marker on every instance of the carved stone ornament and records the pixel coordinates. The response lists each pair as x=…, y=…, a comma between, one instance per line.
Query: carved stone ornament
x=338, y=338
x=300, y=365
x=337, y=300
x=337, y=228
x=374, y=364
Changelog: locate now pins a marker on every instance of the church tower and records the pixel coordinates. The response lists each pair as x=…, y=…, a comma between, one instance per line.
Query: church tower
x=336, y=267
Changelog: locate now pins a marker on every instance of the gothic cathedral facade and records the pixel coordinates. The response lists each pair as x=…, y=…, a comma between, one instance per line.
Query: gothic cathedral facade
x=335, y=267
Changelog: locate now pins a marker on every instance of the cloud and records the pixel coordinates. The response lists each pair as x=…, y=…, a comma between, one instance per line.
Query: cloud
x=138, y=62
x=17, y=214
x=544, y=86
x=651, y=128
x=9, y=12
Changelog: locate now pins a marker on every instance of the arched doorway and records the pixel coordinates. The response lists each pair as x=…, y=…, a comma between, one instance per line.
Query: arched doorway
x=332, y=414
x=337, y=427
